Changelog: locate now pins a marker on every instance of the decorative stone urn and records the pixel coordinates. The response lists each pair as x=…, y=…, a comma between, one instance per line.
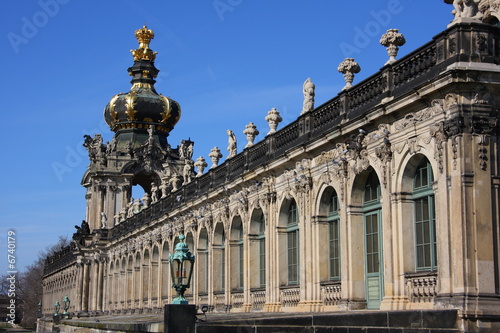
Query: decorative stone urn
x=273, y=118
x=349, y=67
x=215, y=155
x=392, y=40
x=251, y=132
x=200, y=165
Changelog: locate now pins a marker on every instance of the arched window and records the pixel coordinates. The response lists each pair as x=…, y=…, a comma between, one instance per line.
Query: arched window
x=203, y=261
x=218, y=259
x=334, y=236
x=372, y=214
x=292, y=230
x=425, y=222
x=262, y=251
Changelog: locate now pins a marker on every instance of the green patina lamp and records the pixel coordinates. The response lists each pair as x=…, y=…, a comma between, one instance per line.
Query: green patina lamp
x=66, y=304
x=56, y=308
x=181, y=268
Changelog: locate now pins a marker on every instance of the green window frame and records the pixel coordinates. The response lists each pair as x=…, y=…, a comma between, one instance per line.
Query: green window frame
x=424, y=218
x=372, y=216
x=241, y=267
x=262, y=251
x=333, y=220
x=223, y=261
x=293, y=258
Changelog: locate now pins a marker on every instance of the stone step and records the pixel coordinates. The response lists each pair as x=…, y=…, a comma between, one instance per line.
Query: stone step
x=444, y=321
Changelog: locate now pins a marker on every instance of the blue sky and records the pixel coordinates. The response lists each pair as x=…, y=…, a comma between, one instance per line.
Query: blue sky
x=227, y=62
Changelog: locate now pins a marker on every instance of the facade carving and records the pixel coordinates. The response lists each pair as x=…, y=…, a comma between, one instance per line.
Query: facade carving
x=382, y=198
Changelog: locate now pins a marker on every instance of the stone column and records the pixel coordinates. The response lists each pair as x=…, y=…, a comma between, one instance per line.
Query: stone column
x=272, y=258
x=100, y=269
x=79, y=286
x=85, y=286
x=105, y=286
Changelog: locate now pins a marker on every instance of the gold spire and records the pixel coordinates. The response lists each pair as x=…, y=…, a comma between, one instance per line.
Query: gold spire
x=144, y=36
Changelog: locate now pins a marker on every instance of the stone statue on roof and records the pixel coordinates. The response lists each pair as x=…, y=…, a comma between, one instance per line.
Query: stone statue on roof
x=308, y=90
x=465, y=9
x=231, y=148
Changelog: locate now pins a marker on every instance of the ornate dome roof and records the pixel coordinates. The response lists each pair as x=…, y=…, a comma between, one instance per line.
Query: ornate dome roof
x=142, y=106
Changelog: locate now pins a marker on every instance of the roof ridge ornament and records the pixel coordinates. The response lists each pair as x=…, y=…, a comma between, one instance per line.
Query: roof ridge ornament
x=144, y=36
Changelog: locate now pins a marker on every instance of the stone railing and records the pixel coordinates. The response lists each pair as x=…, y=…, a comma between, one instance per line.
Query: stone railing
x=331, y=293
x=203, y=299
x=258, y=297
x=220, y=302
x=421, y=287
x=237, y=298
x=289, y=296
x=393, y=80
x=59, y=260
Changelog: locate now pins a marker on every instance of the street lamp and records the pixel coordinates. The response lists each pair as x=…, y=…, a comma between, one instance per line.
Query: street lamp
x=66, y=304
x=181, y=261
x=56, y=308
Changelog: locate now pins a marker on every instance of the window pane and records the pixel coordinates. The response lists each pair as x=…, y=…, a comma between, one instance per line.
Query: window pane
x=419, y=234
x=425, y=235
x=293, y=262
x=425, y=181
x=333, y=205
x=334, y=247
x=262, y=263
x=425, y=209
x=292, y=214
x=418, y=210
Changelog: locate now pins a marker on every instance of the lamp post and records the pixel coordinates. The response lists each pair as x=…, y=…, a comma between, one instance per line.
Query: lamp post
x=56, y=308
x=66, y=304
x=181, y=268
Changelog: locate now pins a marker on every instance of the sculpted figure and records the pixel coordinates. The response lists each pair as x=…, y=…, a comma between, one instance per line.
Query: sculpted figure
x=231, y=148
x=94, y=146
x=189, y=152
x=465, y=8
x=123, y=214
x=175, y=182
x=308, y=90
x=103, y=220
x=163, y=189
x=146, y=199
x=137, y=206
x=130, y=208
x=154, y=192
x=151, y=139
x=182, y=150
x=186, y=174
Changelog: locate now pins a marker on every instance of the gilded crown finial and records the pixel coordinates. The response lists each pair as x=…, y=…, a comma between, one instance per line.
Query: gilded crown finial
x=144, y=36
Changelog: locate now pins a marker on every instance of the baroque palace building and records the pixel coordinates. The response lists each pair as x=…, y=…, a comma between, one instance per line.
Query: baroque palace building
x=386, y=197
